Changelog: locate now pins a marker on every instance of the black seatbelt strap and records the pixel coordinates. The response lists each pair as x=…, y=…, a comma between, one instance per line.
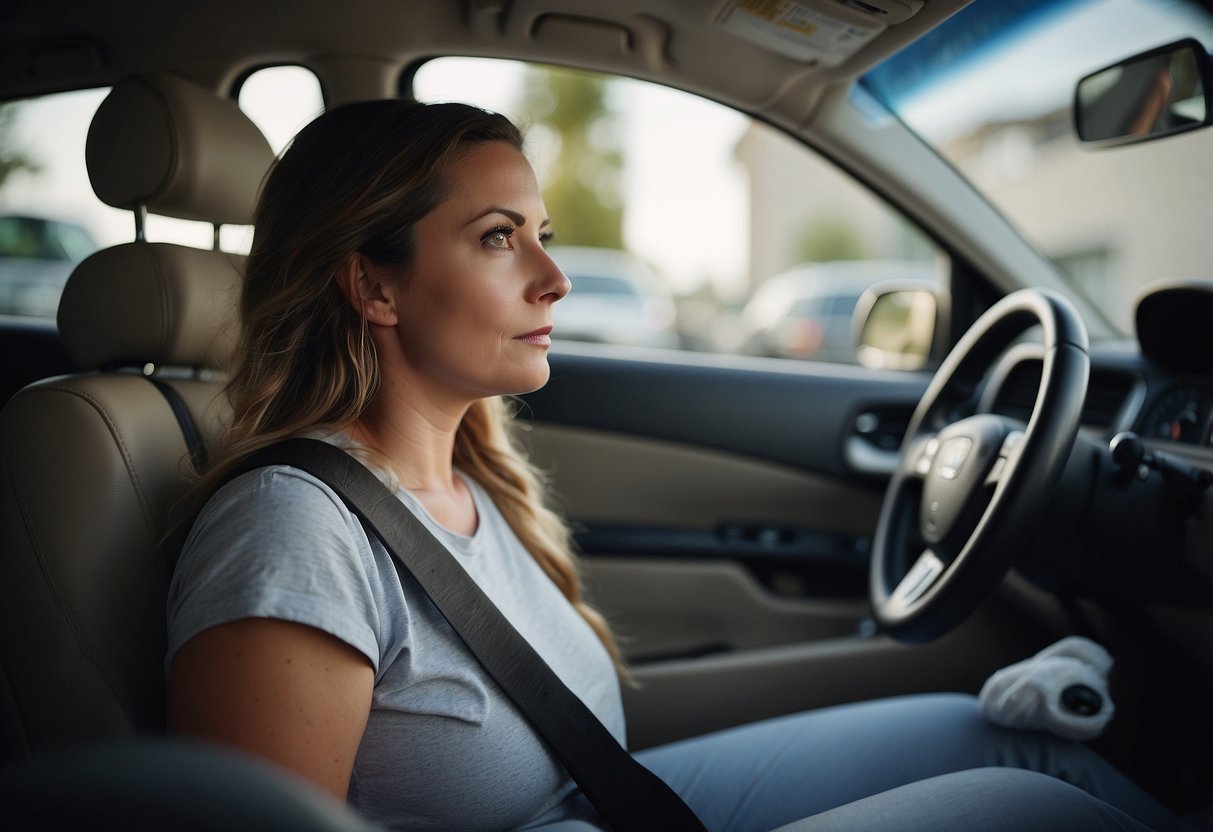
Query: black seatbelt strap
x=189, y=430
x=626, y=794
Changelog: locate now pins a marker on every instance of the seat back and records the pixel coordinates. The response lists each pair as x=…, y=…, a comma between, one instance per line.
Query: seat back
x=92, y=465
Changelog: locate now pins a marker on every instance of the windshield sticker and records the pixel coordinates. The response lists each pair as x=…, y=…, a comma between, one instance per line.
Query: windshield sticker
x=796, y=30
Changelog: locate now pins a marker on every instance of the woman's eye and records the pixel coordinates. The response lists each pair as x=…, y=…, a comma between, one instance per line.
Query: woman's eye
x=498, y=237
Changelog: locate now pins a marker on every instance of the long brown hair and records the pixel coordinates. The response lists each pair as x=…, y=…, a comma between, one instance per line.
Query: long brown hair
x=357, y=180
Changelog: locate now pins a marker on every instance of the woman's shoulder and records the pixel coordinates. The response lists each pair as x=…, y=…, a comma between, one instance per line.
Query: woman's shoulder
x=272, y=511
x=272, y=489
x=276, y=542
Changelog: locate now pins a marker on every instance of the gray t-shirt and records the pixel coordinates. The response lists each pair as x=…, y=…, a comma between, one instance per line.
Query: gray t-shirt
x=443, y=747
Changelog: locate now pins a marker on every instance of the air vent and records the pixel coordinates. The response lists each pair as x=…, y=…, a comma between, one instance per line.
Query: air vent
x=1106, y=394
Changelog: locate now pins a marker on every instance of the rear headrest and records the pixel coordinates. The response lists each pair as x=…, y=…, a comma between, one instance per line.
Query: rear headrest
x=178, y=148
x=152, y=302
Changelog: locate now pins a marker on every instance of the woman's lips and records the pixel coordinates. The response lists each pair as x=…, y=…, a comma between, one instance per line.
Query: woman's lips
x=540, y=337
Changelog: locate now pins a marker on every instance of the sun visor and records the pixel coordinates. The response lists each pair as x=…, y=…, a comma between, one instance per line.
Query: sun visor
x=822, y=32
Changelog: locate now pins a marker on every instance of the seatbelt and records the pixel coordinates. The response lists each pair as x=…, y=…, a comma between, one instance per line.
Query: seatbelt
x=625, y=793
x=189, y=430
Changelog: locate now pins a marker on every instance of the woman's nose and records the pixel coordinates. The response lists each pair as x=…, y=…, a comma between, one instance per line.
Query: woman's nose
x=551, y=283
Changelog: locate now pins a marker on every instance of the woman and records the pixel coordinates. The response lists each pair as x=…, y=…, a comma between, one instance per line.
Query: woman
x=398, y=287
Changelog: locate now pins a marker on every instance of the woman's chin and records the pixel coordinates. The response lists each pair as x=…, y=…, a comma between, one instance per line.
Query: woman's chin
x=519, y=383
x=538, y=379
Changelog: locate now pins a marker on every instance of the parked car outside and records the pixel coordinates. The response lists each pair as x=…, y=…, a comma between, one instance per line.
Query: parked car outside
x=36, y=256
x=808, y=311
x=616, y=299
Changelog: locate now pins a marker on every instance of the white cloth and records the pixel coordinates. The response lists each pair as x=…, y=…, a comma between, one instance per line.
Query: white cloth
x=1032, y=694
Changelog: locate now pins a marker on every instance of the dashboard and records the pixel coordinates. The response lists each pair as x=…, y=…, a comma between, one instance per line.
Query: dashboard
x=1155, y=499
x=1176, y=347
x=1126, y=391
x=1160, y=387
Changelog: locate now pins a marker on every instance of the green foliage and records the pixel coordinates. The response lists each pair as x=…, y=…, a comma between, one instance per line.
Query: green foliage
x=582, y=183
x=11, y=159
x=826, y=238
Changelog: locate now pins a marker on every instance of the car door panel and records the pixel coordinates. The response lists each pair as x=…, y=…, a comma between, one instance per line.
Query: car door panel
x=731, y=525
x=793, y=412
x=668, y=556
x=673, y=700
x=605, y=476
x=727, y=542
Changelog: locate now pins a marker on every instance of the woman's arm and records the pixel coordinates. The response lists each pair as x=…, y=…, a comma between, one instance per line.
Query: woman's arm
x=284, y=691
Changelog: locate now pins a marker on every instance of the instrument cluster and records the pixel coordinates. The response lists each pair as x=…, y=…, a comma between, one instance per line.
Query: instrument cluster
x=1181, y=414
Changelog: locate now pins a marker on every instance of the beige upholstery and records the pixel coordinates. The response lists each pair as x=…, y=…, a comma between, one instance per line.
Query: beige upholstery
x=91, y=465
x=178, y=148
x=151, y=302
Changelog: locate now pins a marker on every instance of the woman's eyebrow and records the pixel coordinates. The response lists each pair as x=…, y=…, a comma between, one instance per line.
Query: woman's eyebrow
x=513, y=216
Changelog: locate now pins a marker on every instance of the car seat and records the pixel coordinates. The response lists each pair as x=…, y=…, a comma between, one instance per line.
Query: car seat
x=92, y=464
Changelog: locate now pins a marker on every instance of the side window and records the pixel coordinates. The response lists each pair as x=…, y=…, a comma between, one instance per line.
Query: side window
x=49, y=217
x=682, y=223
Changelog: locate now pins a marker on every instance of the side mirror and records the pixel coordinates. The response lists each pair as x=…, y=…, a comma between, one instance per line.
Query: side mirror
x=898, y=324
x=1157, y=93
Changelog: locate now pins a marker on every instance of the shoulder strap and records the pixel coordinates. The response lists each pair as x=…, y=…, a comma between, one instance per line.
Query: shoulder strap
x=626, y=794
x=189, y=428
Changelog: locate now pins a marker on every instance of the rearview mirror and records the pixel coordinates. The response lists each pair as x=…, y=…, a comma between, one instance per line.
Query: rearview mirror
x=1154, y=94
x=896, y=324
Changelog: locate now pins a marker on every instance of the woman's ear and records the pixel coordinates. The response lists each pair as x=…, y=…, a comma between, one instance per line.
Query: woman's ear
x=369, y=289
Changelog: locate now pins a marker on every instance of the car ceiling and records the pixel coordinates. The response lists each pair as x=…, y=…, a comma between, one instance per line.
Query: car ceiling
x=358, y=48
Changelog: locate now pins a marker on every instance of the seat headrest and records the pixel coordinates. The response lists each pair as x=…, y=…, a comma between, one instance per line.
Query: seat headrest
x=178, y=148
x=152, y=302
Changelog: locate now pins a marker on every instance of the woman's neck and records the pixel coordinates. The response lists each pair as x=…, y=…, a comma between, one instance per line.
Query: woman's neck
x=415, y=437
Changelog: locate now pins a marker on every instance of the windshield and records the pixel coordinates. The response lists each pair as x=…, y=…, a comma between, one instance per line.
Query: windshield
x=991, y=90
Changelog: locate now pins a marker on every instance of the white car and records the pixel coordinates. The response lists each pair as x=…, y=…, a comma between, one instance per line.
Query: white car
x=615, y=299
x=36, y=256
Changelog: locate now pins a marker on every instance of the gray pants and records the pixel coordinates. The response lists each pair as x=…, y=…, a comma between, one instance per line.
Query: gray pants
x=914, y=763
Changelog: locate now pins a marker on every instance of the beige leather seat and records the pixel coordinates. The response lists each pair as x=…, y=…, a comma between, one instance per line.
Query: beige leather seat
x=92, y=464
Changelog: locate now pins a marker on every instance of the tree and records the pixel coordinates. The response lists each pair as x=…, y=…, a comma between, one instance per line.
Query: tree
x=582, y=178
x=826, y=238
x=11, y=159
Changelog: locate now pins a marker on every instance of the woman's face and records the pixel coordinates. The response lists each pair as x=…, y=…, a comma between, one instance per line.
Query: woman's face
x=475, y=308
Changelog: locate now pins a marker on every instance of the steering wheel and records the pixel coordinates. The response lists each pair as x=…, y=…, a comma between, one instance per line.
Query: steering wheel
x=966, y=492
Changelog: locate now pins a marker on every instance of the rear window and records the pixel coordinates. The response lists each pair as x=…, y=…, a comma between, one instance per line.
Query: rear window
x=50, y=219
x=43, y=239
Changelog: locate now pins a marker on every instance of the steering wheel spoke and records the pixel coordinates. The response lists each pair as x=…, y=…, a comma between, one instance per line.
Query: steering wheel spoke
x=921, y=577
x=1008, y=455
